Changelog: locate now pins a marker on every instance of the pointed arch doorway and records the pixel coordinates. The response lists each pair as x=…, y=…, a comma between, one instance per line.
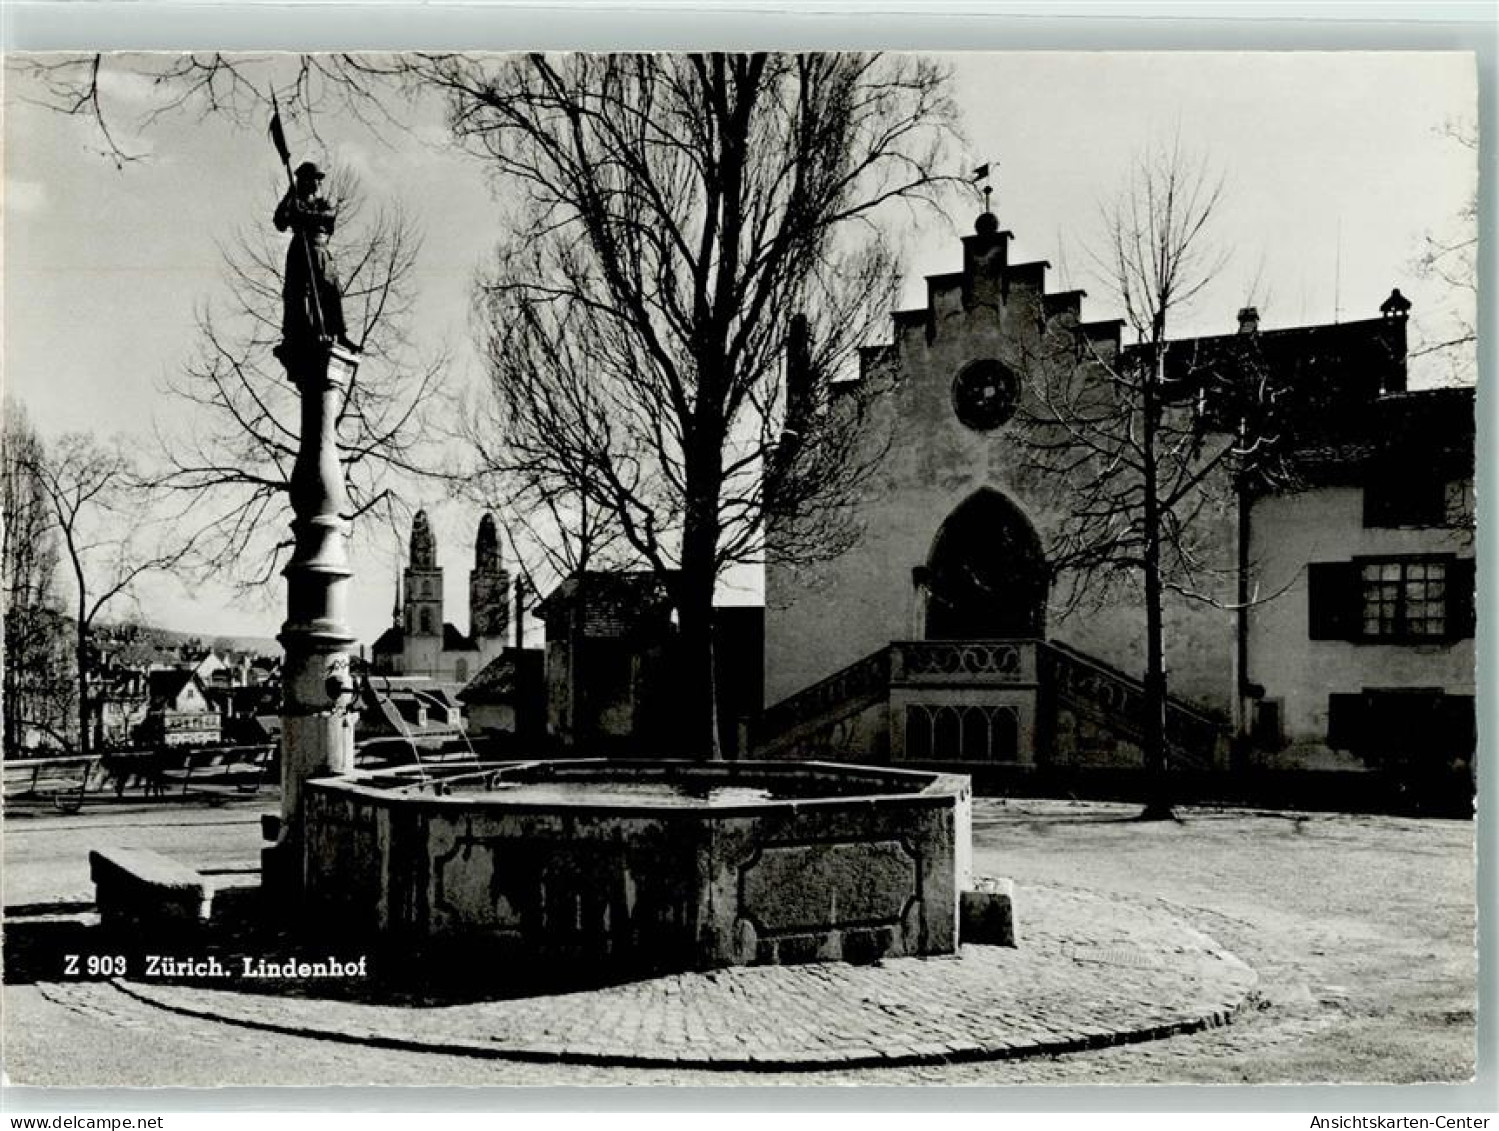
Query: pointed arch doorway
x=986, y=575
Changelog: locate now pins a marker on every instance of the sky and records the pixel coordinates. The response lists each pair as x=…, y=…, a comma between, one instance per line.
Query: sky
x=1335, y=169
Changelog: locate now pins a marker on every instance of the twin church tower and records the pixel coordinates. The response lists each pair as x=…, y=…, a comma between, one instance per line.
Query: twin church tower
x=419, y=641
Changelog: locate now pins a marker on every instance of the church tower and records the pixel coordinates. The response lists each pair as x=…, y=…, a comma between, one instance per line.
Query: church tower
x=423, y=583
x=488, y=590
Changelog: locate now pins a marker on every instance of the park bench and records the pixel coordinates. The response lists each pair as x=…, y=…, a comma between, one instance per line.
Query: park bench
x=222, y=771
x=63, y=781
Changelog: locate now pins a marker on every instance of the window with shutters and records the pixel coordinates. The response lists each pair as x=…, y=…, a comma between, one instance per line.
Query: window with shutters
x=1404, y=599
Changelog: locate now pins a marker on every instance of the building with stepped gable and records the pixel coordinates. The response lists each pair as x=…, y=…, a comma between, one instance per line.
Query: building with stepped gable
x=946, y=634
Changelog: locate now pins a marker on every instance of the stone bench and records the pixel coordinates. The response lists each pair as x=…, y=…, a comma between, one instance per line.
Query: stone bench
x=987, y=913
x=135, y=888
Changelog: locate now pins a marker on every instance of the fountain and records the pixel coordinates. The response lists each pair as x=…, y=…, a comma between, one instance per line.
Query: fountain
x=642, y=865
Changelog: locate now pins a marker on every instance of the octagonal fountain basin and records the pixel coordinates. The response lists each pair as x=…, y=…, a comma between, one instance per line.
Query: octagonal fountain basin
x=643, y=865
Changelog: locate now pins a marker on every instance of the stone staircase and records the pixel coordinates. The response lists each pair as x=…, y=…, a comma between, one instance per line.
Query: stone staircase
x=820, y=721
x=1020, y=701
x=1109, y=698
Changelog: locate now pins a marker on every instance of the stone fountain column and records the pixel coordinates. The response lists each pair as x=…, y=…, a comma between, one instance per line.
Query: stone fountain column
x=317, y=724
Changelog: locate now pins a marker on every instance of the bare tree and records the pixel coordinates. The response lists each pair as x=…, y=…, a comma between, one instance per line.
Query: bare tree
x=677, y=212
x=1146, y=449
x=202, y=85
x=680, y=211
x=1451, y=258
x=37, y=671
x=97, y=507
x=231, y=466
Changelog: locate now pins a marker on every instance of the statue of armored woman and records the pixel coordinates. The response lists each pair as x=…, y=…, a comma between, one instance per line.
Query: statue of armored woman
x=312, y=310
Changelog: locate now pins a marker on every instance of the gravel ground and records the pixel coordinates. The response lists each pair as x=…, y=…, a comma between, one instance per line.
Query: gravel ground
x=1361, y=930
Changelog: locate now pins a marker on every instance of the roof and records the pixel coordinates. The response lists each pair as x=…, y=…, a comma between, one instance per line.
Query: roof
x=241, y=697
x=167, y=685
x=384, y=710
x=1339, y=397
x=440, y=690
x=441, y=694
x=1319, y=372
x=455, y=641
x=615, y=604
x=391, y=641
x=514, y=674
x=270, y=725
x=398, y=708
x=1431, y=429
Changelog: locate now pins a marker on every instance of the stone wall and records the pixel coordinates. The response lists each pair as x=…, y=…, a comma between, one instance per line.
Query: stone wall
x=871, y=868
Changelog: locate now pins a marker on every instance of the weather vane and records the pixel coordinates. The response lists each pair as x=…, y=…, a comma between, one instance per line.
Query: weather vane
x=982, y=174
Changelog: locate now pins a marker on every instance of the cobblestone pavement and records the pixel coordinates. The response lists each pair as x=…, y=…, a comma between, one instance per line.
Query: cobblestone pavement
x=1360, y=930
x=1094, y=971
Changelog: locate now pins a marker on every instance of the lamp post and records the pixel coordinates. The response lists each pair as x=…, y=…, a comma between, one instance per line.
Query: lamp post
x=317, y=725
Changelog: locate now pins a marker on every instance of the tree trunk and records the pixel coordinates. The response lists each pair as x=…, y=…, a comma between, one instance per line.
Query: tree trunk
x=1153, y=737
x=698, y=725
x=12, y=685
x=697, y=732
x=703, y=468
x=1243, y=709
x=80, y=657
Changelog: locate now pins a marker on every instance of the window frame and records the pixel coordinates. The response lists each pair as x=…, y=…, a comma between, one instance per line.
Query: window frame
x=987, y=414
x=1401, y=633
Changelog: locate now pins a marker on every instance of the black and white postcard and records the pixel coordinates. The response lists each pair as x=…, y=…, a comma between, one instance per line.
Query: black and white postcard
x=710, y=569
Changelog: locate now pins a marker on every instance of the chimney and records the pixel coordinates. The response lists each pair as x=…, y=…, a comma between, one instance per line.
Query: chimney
x=1396, y=310
x=1397, y=307
x=1249, y=320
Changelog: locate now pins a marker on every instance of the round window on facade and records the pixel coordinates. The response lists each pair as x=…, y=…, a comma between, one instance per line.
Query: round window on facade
x=985, y=394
